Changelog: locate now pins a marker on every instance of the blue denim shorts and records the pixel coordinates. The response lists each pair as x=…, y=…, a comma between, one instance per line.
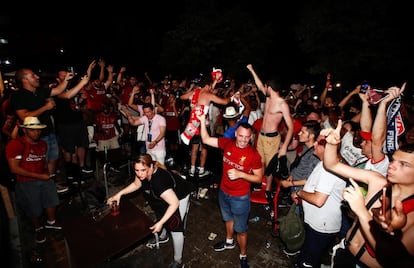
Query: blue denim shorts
x=236, y=208
x=52, y=147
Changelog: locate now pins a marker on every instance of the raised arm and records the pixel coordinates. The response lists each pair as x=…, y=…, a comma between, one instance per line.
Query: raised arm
x=148, y=79
x=346, y=99
x=101, y=63
x=187, y=94
x=247, y=108
x=379, y=128
x=120, y=75
x=324, y=93
x=75, y=90
x=68, y=94
x=365, y=121
x=256, y=78
x=205, y=137
x=131, y=103
x=331, y=162
x=62, y=85
x=218, y=100
x=90, y=68
x=110, y=78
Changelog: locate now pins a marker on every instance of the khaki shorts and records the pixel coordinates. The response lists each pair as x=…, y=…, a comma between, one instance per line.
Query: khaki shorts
x=109, y=144
x=267, y=147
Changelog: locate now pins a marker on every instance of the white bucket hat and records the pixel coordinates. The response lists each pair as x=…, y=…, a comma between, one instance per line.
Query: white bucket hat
x=230, y=112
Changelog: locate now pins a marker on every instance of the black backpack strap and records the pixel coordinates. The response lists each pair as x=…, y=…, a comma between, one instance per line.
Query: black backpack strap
x=368, y=206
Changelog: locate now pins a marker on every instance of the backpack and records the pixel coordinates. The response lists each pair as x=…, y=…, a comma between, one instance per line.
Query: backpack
x=292, y=229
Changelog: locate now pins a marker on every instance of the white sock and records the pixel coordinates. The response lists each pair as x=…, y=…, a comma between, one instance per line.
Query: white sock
x=192, y=169
x=163, y=233
x=229, y=241
x=51, y=222
x=201, y=170
x=243, y=256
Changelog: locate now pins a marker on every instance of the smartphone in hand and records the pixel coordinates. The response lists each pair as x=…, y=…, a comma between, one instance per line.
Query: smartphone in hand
x=364, y=87
x=386, y=199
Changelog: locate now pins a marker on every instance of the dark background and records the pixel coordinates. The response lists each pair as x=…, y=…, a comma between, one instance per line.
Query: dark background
x=295, y=41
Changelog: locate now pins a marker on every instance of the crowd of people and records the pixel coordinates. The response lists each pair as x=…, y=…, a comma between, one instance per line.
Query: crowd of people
x=337, y=153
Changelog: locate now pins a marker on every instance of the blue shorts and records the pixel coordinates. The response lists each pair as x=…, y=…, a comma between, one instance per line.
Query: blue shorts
x=34, y=196
x=236, y=208
x=52, y=147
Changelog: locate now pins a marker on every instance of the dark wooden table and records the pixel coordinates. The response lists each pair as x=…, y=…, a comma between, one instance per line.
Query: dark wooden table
x=90, y=243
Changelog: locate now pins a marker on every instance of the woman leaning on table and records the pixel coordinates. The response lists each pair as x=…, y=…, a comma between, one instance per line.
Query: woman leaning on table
x=168, y=197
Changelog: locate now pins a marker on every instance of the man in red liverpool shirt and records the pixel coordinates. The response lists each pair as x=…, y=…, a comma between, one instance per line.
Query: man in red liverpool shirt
x=242, y=166
x=35, y=190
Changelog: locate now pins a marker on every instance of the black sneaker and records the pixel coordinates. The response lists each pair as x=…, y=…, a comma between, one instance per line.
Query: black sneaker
x=243, y=262
x=152, y=243
x=60, y=189
x=76, y=182
x=86, y=170
x=54, y=226
x=35, y=258
x=40, y=235
x=291, y=253
x=220, y=246
x=175, y=264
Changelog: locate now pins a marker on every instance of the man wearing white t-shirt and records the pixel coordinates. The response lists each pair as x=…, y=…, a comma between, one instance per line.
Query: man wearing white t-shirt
x=154, y=131
x=321, y=200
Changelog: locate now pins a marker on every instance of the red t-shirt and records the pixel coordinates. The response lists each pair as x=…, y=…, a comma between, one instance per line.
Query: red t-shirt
x=95, y=98
x=173, y=122
x=32, y=156
x=125, y=94
x=246, y=160
x=105, y=126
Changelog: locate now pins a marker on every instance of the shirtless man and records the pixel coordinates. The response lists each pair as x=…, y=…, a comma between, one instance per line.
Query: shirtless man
x=200, y=98
x=268, y=143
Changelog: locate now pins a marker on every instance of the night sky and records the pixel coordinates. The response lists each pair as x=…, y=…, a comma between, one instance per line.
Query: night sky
x=132, y=36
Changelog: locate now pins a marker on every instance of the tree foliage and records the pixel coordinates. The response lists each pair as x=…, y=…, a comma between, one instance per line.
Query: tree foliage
x=354, y=40
x=205, y=38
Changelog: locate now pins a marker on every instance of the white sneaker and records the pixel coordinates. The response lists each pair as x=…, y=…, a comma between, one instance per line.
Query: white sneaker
x=204, y=173
x=152, y=243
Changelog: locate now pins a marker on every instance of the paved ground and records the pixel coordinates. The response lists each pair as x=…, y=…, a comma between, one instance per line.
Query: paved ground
x=204, y=217
x=264, y=250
